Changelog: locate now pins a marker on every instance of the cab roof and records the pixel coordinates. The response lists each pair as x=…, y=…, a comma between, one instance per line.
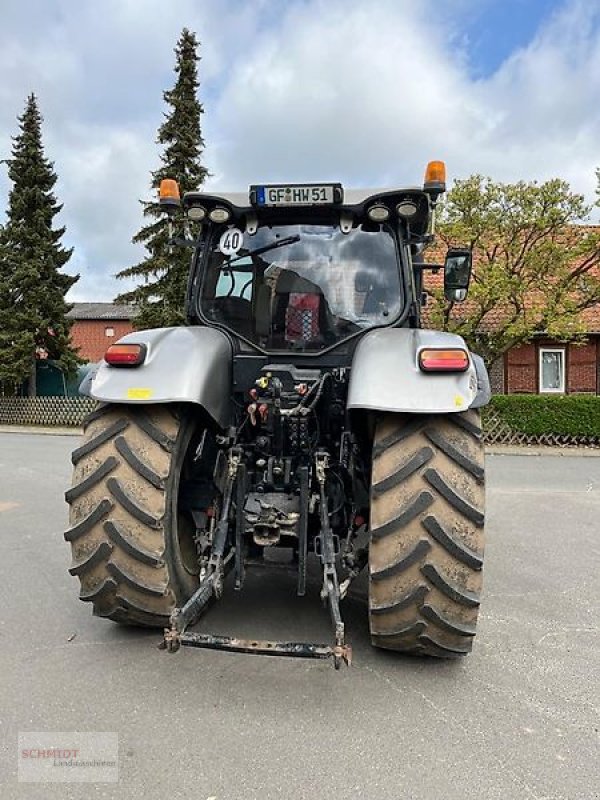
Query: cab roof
x=352, y=197
x=356, y=203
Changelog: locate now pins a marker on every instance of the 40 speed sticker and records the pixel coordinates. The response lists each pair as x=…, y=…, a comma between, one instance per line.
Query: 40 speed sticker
x=231, y=242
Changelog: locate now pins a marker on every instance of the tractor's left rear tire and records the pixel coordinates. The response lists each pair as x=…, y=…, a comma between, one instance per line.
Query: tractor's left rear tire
x=133, y=551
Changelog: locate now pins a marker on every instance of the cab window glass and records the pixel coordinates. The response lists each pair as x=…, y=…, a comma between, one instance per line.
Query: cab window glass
x=302, y=287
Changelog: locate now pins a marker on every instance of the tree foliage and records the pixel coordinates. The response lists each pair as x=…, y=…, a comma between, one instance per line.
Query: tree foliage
x=536, y=264
x=165, y=269
x=32, y=287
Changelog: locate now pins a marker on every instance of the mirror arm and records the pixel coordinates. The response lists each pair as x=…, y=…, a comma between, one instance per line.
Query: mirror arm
x=434, y=267
x=419, y=238
x=182, y=241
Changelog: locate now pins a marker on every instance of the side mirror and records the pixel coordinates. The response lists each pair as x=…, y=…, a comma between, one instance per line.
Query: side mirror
x=457, y=274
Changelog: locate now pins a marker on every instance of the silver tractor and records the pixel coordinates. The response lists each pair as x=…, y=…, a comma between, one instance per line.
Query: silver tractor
x=302, y=415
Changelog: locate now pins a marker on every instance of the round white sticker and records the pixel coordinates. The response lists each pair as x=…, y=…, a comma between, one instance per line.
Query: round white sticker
x=231, y=241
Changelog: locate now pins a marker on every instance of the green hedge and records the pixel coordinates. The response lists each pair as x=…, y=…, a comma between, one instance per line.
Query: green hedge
x=538, y=414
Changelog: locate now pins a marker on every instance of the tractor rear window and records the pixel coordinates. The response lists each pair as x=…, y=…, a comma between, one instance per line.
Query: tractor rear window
x=302, y=287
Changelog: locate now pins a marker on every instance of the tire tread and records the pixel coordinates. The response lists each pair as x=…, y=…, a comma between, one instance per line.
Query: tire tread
x=88, y=483
x=118, y=540
x=426, y=534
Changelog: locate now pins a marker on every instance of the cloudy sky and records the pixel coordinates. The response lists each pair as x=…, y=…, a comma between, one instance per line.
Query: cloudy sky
x=362, y=91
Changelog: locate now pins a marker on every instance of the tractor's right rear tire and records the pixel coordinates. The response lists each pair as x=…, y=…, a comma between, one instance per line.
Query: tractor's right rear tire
x=133, y=552
x=426, y=549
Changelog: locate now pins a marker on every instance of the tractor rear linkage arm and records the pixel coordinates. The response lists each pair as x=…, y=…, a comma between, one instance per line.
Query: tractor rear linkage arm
x=211, y=585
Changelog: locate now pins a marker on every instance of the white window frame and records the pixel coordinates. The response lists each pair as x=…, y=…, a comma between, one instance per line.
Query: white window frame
x=563, y=351
x=109, y=332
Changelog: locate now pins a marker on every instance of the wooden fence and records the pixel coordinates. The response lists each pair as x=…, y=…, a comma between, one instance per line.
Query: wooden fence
x=70, y=411
x=496, y=431
x=46, y=411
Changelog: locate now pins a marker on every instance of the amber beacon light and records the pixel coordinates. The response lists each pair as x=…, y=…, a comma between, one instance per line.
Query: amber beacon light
x=435, y=177
x=168, y=193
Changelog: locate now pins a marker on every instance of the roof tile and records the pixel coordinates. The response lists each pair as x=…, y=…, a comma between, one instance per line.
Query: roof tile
x=102, y=311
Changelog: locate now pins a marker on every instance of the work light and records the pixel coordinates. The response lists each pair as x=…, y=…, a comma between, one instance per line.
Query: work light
x=378, y=213
x=219, y=215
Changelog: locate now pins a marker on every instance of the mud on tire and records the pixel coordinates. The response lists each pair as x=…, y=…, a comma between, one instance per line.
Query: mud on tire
x=129, y=552
x=427, y=516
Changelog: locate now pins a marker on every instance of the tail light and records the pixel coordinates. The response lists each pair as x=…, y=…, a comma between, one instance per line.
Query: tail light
x=452, y=360
x=125, y=355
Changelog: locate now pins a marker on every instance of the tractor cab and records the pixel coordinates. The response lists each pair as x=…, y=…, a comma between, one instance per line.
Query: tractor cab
x=302, y=268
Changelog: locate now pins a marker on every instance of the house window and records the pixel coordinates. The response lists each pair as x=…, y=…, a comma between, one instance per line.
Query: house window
x=552, y=369
x=109, y=332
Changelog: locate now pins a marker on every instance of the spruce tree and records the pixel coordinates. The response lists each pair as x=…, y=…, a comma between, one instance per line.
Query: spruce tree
x=164, y=272
x=32, y=287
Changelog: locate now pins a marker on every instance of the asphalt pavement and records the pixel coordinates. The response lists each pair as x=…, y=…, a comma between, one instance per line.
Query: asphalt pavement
x=518, y=718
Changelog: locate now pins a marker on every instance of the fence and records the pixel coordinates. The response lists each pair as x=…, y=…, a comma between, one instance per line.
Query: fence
x=496, y=431
x=70, y=411
x=48, y=411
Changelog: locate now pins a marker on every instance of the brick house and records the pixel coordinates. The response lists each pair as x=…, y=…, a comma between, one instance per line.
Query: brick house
x=544, y=365
x=97, y=325
x=548, y=366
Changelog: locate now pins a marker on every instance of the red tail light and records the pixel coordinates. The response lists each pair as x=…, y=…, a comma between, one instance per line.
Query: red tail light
x=451, y=360
x=125, y=355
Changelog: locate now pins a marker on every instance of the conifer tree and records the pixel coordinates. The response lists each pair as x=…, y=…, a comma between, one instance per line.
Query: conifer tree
x=32, y=287
x=164, y=271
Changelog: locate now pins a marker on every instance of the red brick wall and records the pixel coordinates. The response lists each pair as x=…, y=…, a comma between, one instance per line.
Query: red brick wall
x=521, y=369
x=582, y=366
x=89, y=335
x=582, y=362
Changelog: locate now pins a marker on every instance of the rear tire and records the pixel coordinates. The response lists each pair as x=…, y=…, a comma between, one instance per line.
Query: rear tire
x=427, y=537
x=132, y=553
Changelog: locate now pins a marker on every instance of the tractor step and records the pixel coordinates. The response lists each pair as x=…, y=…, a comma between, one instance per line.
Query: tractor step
x=231, y=644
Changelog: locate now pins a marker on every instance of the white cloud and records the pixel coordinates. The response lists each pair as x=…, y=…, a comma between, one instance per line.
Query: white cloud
x=365, y=93
x=362, y=93
x=99, y=70
x=103, y=172
x=547, y=123
x=369, y=93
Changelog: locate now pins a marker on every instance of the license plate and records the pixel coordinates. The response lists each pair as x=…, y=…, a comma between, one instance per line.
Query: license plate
x=295, y=195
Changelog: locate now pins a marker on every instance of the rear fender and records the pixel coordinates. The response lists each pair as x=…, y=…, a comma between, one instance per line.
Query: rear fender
x=484, y=389
x=182, y=365
x=385, y=374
